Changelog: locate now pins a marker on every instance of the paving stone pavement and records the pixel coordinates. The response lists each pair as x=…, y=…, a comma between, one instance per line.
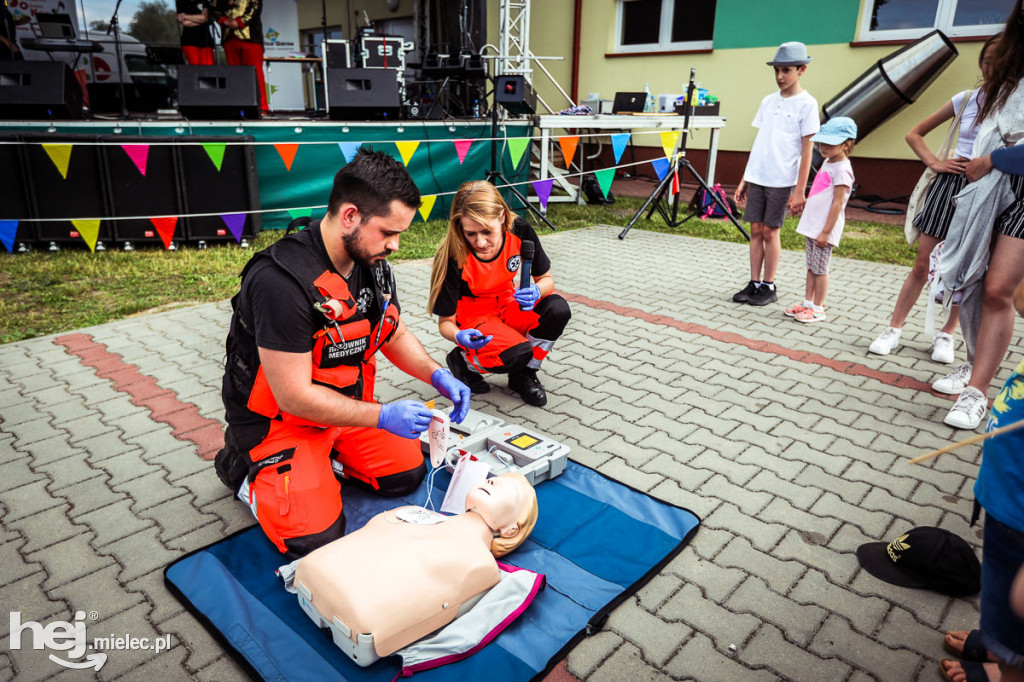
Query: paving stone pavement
x=789, y=440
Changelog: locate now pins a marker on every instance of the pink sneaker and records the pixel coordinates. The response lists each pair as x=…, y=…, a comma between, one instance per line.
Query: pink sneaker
x=810, y=315
x=794, y=310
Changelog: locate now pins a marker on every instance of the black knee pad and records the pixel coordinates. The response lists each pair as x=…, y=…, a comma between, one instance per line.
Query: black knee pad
x=304, y=544
x=516, y=357
x=402, y=483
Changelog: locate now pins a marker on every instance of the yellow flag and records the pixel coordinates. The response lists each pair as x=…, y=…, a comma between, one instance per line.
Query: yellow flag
x=669, y=140
x=90, y=231
x=427, y=206
x=60, y=154
x=407, y=148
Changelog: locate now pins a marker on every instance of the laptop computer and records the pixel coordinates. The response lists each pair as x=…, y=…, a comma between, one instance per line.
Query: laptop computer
x=57, y=26
x=629, y=102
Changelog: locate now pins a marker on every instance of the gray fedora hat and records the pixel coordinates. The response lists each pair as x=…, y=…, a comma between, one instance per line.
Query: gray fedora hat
x=790, y=54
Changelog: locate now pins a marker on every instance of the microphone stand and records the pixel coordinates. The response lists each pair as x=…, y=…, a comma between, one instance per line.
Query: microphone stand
x=122, y=72
x=657, y=197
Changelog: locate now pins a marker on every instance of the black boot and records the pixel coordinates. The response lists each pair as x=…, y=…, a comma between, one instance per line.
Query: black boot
x=527, y=385
x=462, y=372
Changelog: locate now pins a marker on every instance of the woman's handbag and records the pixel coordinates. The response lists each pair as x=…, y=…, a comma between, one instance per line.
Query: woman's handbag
x=917, y=198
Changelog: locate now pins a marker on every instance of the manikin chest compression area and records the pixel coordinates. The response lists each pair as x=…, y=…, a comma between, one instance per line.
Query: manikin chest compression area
x=409, y=572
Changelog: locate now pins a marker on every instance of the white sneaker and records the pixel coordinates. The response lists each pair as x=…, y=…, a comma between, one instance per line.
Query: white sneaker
x=942, y=348
x=955, y=381
x=887, y=341
x=969, y=409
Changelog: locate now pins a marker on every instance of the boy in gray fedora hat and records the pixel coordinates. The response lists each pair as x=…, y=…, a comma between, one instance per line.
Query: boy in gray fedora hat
x=780, y=160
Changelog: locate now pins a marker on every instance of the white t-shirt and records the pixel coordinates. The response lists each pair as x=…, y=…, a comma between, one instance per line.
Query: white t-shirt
x=819, y=200
x=968, y=131
x=782, y=123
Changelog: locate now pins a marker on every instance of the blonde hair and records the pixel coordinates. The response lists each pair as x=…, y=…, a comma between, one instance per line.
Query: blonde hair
x=527, y=519
x=479, y=201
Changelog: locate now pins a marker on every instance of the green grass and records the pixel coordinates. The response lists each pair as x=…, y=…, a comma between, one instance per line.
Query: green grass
x=48, y=293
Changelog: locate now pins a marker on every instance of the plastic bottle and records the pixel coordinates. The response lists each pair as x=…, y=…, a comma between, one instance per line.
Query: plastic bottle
x=650, y=106
x=476, y=108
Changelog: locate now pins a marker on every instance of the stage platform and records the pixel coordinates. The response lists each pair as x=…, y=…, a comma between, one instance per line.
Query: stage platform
x=295, y=157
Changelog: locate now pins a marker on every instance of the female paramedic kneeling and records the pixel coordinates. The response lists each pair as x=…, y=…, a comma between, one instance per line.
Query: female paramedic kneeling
x=497, y=327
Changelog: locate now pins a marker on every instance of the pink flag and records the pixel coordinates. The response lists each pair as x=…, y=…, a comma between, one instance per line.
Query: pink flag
x=462, y=148
x=138, y=153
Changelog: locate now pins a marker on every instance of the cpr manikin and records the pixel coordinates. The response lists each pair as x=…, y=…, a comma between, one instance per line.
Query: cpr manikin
x=407, y=572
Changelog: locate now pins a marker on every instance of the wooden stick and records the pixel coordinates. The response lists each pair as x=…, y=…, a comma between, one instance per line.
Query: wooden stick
x=977, y=438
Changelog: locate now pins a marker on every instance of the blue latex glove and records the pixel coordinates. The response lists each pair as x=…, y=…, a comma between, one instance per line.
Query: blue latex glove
x=471, y=339
x=405, y=418
x=454, y=390
x=528, y=297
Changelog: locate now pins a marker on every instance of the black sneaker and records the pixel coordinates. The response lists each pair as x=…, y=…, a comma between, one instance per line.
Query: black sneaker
x=527, y=385
x=763, y=296
x=744, y=294
x=462, y=372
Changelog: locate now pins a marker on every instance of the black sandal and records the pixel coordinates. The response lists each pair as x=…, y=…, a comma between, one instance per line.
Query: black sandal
x=973, y=649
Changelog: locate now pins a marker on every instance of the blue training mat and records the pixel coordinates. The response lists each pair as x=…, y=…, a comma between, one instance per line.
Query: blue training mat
x=596, y=541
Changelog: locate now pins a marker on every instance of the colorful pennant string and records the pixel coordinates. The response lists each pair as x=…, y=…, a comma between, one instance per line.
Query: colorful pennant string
x=619, y=142
x=604, y=180
x=216, y=153
x=427, y=206
x=462, y=148
x=139, y=154
x=165, y=228
x=60, y=154
x=543, y=190
x=568, y=144
x=516, y=147
x=235, y=223
x=669, y=140
x=406, y=148
x=8, y=231
x=349, y=150
x=660, y=167
x=287, y=152
x=89, y=230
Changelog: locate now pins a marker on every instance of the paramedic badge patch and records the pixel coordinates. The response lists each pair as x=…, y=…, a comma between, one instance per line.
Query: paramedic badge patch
x=513, y=263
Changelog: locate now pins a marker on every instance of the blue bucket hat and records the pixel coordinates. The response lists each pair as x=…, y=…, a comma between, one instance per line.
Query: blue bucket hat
x=836, y=131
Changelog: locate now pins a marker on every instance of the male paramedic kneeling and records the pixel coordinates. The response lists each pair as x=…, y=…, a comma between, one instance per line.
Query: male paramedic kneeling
x=496, y=326
x=312, y=311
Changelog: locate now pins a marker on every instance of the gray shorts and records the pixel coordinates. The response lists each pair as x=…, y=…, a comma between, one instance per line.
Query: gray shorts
x=766, y=205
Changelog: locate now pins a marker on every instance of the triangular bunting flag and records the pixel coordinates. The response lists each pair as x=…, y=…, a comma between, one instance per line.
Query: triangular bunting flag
x=660, y=167
x=300, y=213
x=60, y=154
x=165, y=228
x=604, y=180
x=216, y=153
x=675, y=182
x=543, y=190
x=287, y=152
x=568, y=144
x=8, y=231
x=619, y=142
x=138, y=153
x=427, y=206
x=462, y=148
x=90, y=231
x=407, y=148
x=235, y=223
x=669, y=140
x=516, y=147
x=349, y=149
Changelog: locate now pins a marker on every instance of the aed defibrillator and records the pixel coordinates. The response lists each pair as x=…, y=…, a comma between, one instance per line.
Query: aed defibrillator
x=503, y=447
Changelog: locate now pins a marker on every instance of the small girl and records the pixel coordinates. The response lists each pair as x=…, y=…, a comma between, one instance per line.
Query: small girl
x=824, y=214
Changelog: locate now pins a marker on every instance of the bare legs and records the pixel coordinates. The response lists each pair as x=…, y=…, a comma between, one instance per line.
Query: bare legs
x=1005, y=274
x=914, y=283
x=765, y=250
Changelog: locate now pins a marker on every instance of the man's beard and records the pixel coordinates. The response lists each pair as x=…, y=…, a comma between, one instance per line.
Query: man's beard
x=357, y=253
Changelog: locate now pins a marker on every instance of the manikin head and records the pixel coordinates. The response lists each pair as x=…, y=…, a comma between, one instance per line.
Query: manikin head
x=508, y=505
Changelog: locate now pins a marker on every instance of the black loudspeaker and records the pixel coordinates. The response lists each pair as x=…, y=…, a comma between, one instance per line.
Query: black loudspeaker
x=39, y=90
x=14, y=193
x=133, y=192
x=218, y=92
x=515, y=95
x=339, y=54
x=67, y=181
x=363, y=94
x=228, y=192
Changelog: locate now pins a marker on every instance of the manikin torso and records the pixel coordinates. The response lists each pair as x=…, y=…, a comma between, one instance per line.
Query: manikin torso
x=400, y=581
